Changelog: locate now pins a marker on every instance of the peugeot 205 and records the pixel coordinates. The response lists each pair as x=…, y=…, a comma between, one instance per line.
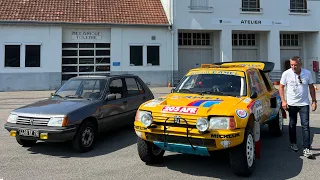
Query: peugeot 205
x=82, y=107
x=215, y=107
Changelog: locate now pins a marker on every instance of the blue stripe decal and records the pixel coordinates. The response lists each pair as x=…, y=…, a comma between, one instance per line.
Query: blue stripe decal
x=199, y=102
x=210, y=103
x=182, y=148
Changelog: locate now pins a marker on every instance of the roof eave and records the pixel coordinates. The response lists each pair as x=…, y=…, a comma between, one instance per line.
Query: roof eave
x=78, y=23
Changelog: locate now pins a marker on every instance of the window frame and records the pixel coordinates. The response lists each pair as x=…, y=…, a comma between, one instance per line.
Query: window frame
x=295, y=9
x=25, y=55
x=249, y=8
x=142, y=54
x=4, y=54
x=200, y=5
x=159, y=55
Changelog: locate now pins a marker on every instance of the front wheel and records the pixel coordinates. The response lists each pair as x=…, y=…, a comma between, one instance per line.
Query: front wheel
x=242, y=157
x=149, y=152
x=85, y=138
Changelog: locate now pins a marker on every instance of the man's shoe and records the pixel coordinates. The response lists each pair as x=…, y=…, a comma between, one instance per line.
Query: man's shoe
x=294, y=147
x=307, y=153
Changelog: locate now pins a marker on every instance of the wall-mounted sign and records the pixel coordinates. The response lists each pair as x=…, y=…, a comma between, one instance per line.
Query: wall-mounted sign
x=86, y=35
x=116, y=63
x=250, y=22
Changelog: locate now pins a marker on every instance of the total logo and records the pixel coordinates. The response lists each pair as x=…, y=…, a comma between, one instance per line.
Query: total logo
x=241, y=113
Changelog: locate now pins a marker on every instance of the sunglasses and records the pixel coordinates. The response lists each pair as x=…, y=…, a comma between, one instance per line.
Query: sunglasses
x=299, y=78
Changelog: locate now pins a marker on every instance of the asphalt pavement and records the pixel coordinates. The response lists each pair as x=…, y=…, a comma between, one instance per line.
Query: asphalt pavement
x=115, y=155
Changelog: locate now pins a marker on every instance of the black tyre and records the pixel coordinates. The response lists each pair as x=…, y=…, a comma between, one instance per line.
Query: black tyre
x=148, y=152
x=25, y=142
x=242, y=157
x=85, y=137
x=276, y=125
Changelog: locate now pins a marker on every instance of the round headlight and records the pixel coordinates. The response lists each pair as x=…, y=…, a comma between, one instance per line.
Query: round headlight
x=146, y=119
x=202, y=124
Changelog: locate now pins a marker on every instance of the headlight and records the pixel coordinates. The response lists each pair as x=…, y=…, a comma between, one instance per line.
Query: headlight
x=145, y=117
x=202, y=124
x=222, y=123
x=12, y=118
x=58, y=121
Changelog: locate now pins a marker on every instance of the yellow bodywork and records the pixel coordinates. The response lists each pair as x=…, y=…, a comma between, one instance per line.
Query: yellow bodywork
x=191, y=107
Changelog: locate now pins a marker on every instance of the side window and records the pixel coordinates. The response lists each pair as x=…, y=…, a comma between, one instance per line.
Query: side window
x=116, y=87
x=266, y=80
x=133, y=87
x=255, y=83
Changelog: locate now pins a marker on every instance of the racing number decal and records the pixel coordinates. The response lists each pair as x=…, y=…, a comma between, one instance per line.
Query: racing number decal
x=186, y=110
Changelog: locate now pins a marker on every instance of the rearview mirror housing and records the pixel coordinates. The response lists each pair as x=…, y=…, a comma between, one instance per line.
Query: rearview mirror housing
x=110, y=97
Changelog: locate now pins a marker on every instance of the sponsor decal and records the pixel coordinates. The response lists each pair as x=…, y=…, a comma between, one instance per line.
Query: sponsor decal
x=228, y=136
x=241, y=113
x=258, y=110
x=153, y=103
x=225, y=143
x=179, y=109
x=205, y=103
x=140, y=128
x=247, y=100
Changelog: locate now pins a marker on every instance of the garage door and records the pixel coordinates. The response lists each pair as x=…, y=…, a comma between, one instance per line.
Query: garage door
x=193, y=58
x=286, y=54
x=85, y=59
x=245, y=55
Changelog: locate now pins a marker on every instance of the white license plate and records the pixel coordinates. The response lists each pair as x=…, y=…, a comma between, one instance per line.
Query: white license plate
x=28, y=132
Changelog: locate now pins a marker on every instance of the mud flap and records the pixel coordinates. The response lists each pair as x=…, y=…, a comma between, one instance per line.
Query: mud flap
x=256, y=132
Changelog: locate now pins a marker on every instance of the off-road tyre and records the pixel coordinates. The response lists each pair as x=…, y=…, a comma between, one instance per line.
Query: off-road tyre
x=149, y=152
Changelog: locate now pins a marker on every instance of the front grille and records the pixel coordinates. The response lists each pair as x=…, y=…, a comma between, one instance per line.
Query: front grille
x=32, y=121
x=181, y=140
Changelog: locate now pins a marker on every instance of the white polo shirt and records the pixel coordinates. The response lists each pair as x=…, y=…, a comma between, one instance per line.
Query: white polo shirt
x=297, y=93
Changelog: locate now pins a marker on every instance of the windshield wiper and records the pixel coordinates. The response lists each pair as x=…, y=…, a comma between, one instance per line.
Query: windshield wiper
x=73, y=96
x=57, y=95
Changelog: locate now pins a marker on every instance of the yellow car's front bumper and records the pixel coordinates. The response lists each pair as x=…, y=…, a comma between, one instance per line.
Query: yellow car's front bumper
x=178, y=139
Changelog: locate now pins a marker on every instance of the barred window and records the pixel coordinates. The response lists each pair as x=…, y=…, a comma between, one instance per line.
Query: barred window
x=242, y=39
x=289, y=40
x=298, y=6
x=199, y=5
x=194, y=39
x=251, y=5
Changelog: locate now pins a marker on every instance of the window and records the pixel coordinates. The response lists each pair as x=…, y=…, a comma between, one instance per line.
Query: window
x=133, y=87
x=199, y=5
x=255, y=84
x=153, y=55
x=85, y=59
x=194, y=39
x=32, y=56
x=12, y=56
x=243, y=39
x=289, y=40
x=136, y=55
x=251, y=5
x=116, y=87
x=298, y=6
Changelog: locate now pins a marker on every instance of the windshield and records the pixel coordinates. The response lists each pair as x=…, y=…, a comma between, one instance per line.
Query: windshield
x=82, y=89
x=215, y=84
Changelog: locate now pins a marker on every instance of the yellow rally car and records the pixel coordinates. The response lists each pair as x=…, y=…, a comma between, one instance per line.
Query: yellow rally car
x=214, y=107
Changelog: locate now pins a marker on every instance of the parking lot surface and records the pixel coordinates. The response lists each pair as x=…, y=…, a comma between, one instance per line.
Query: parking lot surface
x=115, y=155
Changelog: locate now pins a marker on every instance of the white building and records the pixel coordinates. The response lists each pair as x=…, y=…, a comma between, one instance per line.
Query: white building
x=43, y=47
x=207, y=31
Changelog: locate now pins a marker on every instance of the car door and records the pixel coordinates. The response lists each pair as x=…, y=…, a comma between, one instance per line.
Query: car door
x=114, y=110
x=135, y=96
x=262, y=103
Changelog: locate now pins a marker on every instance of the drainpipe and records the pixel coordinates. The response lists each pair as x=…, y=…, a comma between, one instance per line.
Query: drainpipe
x=172, y=42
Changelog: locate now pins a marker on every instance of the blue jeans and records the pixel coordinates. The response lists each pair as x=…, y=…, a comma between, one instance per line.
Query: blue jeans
x=304, y=117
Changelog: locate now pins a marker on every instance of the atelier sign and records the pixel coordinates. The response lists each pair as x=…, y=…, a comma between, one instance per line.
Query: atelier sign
x=86, y=35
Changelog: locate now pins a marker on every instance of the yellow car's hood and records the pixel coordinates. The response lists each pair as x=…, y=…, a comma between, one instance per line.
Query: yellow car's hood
x=192, y=104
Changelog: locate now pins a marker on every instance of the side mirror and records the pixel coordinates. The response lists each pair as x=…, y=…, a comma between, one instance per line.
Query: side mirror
x=111, y=97
x=254, y=95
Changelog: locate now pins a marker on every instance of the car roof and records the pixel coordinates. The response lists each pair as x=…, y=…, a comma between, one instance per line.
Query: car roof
x=103, y=76
x=221, y=68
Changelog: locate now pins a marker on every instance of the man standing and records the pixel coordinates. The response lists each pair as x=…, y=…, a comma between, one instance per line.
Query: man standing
x=298, y=80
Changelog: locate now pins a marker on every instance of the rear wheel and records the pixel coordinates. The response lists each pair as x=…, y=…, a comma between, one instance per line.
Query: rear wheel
x=149, y=152
x=25, y=142
x=276, y=125
x=242, y=157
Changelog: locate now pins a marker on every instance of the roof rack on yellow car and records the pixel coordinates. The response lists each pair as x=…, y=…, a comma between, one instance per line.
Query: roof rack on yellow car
x=221, y=66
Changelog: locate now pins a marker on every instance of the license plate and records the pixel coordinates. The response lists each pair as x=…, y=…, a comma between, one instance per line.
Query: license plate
x=28, y=132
